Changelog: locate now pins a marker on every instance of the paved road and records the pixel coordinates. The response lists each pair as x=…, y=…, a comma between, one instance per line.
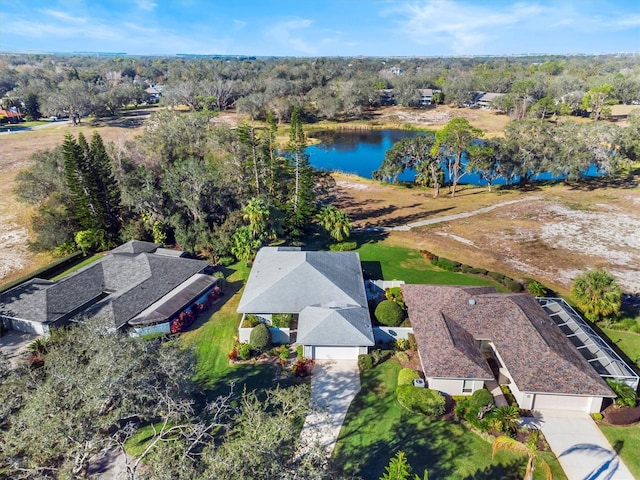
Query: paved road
x=334, y=385
x=19, y=129
x=581, y=448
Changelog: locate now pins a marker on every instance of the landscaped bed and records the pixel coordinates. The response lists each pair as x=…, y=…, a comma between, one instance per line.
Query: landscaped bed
x=376, y=427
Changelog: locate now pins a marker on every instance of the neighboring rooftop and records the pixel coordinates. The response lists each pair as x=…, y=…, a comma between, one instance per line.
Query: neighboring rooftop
x=535, y=351
x=121, y=285
x=286, y=280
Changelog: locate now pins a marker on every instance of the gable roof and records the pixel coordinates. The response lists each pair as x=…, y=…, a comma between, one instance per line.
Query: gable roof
x=285, y=280
x=335, y=326
x=534, y=350
x=120, y=285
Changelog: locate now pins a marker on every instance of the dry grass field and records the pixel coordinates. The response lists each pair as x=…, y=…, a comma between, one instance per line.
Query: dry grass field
x=552, y=234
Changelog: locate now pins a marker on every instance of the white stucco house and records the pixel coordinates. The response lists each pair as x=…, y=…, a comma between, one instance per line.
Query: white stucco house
x=325, y=290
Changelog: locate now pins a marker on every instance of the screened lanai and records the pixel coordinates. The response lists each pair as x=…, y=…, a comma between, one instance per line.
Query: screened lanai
x=594, y=349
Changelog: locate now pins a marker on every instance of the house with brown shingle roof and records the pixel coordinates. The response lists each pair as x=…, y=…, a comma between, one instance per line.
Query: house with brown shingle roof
x=467, y=336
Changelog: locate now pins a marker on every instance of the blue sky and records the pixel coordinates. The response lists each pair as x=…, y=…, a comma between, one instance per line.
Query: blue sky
x=321, y=27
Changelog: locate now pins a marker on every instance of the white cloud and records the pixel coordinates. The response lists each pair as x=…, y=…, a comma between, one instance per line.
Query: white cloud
x=468, y=27
x=147, y=5
x=239, y=24
x=64, y=16
x=283, y=33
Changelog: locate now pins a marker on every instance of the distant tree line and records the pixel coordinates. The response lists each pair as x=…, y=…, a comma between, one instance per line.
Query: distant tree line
x=322, y=88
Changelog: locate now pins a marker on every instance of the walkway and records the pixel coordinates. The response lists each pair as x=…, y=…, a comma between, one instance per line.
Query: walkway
x=458, y=216
x=581, y=448
x=334, y=385
x=496, y=391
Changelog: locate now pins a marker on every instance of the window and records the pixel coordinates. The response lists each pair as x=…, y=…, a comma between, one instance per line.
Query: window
x=467, y=386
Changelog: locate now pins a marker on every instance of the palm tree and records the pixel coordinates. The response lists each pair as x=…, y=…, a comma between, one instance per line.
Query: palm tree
x=506, y=418
x=509, y=444
x=597, y=293
x=335, y=222
x=245, y=246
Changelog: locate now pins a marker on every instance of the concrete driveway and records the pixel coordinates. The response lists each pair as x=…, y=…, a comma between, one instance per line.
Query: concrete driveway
x=581, y=448
x=334, y=385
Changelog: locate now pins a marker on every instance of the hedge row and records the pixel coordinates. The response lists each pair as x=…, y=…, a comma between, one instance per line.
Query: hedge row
x=421, y=400
x=453, y=266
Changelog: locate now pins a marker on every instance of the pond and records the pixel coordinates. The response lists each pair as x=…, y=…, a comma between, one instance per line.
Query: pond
x=362, y=151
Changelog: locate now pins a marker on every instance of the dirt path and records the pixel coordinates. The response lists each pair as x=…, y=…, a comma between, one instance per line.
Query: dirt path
x=457, y=216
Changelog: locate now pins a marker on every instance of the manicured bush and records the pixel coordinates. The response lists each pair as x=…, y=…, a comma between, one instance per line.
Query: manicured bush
x=402, y=357
x=284, y=354
x=233, y=354
x=479, y=271
x=466, y=268
x=365, y=362
x=343, y=246
x=281, y=320
x=406, y=376
x=498, y=277
x=389, y=313
x=413, y=343
x=300, y=352
x=482, y=398
x=423, y=401
x=395, y=295
x=226, y=261
x=597, y=416
x=244, y=351
x=512, y=285
x=260, y=337
x=446, y=264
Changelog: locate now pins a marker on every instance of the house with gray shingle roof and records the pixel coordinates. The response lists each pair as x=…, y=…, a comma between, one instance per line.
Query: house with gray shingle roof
x=467, y=336
x=135, y=285
x=325, y=290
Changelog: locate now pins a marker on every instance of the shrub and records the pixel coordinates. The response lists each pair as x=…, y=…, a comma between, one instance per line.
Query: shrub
x=446, y=264
x=512, y=285
x=233, y=354
x=402, y=357
x=303, y=368
x=427, y=255
x=226, y=261
x=498, y=277
x=389, y=313
x=423, y=401
x=250, y=321
x=622, y=416
x=300, y=352
x=260, y=337
x=413, y=344
x=284, y=354
x=281, y=320
x=343, y=246
x=395, y=295
x=626, y=396
x=536, y=289
x=244, y=351
x=378, y=356
x=479, y=271
x=406, y=323
x=406, y=376
x=401, y=344
x=222, y=281
x=365, y=362
x=466, y=268
x=482, y=398
x=596, y=416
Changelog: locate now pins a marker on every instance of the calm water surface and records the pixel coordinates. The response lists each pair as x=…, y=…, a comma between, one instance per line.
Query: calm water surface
x=362, y=152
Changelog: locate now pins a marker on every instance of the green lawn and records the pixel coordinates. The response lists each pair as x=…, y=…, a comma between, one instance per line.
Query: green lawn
x=212, y=339
x=626, y=439
x=392, y=262
x=78, y=266
x=376, y=427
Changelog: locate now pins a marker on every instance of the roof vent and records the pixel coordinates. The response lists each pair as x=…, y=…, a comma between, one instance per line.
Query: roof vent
x=472, y=301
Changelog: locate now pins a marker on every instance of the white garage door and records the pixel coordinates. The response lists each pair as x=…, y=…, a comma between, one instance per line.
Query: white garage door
x=561, y=402
x=335, y=353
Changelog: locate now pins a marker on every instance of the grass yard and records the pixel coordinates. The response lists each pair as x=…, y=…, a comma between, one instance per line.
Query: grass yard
x=213, y=337
x=627, y=438
x=385, y=260
x=376, y=427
